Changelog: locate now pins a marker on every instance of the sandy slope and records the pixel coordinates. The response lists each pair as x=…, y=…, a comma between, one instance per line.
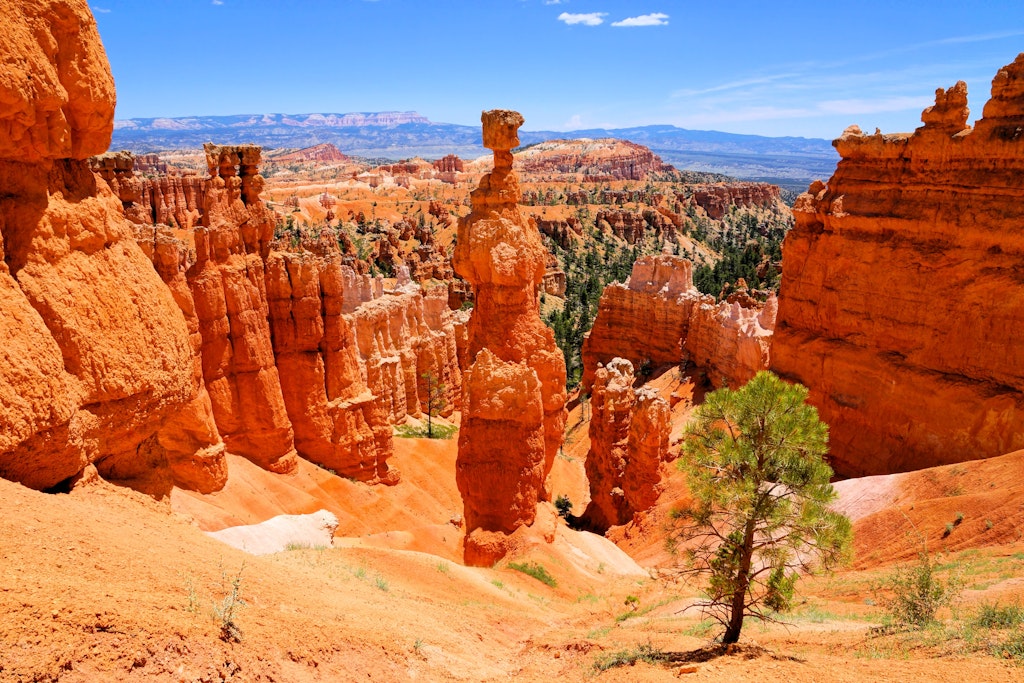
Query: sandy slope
x=105, y=584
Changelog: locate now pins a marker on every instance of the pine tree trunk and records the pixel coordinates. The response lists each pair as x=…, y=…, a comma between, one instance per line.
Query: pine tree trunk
x=732, y=631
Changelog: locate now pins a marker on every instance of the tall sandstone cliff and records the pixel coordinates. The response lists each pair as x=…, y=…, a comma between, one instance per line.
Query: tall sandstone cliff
x=659, y=318
x=97, y=366
x=514, y=388
x=301, y=354
x=901, y=289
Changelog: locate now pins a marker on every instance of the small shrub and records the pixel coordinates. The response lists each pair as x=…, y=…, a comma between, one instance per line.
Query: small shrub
x=442, y=567
x=994, y=616
x=958, y=519
x=917, y=593
x=1012, y=648
x=536, y=570
x=641, y=653
x=227, y=611
x=563, y=505
x=382, y=584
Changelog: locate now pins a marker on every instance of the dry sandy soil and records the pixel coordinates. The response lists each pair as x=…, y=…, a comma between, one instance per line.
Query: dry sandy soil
x=105, y=584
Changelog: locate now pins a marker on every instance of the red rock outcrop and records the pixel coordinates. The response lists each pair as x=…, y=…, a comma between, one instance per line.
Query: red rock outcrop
x=659, y=318
x=449, y=164
x=97, y=364
x=560, y=230
x=330, y=359
x=338, y=421
x=514, y=390
x=604, y=160
x=323, y=153
x=716, y=199
x=229, y=289
x=629, y=432
x=901, y=289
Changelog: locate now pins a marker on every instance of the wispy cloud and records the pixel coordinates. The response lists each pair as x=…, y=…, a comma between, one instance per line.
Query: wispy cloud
x=655, y=19
x=101, y=10
x=218, y=2
x=555, y=2
x=732, y=85
x=589, y=19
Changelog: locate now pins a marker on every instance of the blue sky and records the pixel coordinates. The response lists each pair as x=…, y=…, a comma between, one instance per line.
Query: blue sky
x=768, y=68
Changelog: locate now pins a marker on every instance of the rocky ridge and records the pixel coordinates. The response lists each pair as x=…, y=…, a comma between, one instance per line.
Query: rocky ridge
x=629, y=437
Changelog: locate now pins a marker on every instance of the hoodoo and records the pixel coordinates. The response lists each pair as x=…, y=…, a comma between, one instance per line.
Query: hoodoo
x=629, y=434
x=901, y=289
x=514, y=390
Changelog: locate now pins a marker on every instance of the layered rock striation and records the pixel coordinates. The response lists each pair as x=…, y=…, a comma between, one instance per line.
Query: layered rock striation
x=514, y=387
x=901, y=289
x=658, y=318
x=603, y=160
x=629, y=433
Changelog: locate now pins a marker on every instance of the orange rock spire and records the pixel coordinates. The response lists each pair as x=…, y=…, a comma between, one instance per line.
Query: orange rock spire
x=514, y=390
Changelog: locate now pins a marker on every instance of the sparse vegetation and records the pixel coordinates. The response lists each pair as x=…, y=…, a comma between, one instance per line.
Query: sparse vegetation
x=536, y=570
x=641, y=653
x=438, y=431
x=913, y=594
x=992, y=615
x=226, y=612
x=563, y=505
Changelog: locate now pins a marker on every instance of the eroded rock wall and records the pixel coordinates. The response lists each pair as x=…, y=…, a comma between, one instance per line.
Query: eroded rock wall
x=901, y=289
x=629, y=432
x=98, y=361
x=659, y=318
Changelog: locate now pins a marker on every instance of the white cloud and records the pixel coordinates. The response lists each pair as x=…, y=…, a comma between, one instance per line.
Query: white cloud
x=555, y=2
x=218, y=2
x=655, y=19
x=589, y=19
x=101, y=10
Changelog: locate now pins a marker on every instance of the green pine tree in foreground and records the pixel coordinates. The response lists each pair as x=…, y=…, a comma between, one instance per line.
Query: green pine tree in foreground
x=759, y=515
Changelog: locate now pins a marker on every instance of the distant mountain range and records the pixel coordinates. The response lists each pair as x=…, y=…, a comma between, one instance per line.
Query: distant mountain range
x=788, y=161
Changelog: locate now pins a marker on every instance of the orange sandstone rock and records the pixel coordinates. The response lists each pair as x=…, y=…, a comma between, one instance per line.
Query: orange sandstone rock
x=98, y=362
x=659, y=318
x=508, y=441
x=56, y=92
x=901, y=296
x=629, y=434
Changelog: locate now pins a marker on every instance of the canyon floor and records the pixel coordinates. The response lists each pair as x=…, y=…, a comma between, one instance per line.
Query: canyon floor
x=105, y=583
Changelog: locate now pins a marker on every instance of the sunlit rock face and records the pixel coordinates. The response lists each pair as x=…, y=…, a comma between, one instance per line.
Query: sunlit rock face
x=901, y=298
x=514, y=388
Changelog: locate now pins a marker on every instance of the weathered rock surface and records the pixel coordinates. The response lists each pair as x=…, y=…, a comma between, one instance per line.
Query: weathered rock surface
x=901, y=289
x=659, y=318
x=98, y=366
x=716, y=199
x=629, y=433
x=56, y=92
x=514, y=389
x=323, y=153
x=603, y=160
